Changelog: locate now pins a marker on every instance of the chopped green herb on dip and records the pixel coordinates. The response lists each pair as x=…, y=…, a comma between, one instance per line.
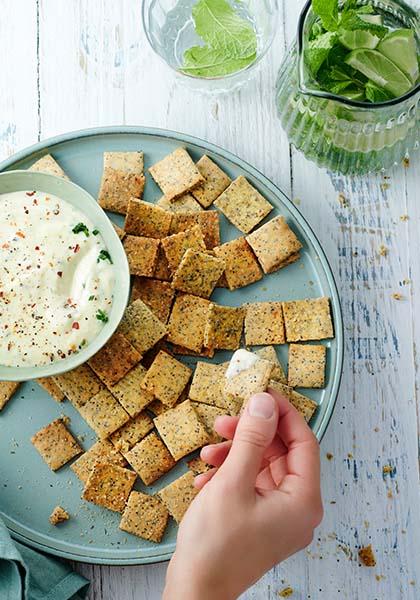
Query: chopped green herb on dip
x=104, y=255
x=102, y=316
x=52, y=286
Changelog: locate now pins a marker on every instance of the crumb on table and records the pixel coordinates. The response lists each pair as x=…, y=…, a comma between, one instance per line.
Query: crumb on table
x=367, y=556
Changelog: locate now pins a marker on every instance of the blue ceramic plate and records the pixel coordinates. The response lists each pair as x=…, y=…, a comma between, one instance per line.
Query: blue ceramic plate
x=29, y=490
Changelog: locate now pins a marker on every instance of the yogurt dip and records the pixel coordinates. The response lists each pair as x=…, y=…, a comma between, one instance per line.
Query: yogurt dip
x=56, y=279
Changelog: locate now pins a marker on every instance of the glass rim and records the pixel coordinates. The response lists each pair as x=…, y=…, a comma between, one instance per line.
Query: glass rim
x=249, y=67
x=335, y=97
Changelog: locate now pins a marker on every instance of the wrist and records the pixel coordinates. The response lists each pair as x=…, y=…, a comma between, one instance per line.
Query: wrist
x=188, y=584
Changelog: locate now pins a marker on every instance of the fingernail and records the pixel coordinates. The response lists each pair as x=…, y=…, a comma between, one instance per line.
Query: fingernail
x=261, y=405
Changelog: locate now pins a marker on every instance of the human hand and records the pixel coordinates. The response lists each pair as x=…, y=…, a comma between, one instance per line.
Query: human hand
x=257, y=506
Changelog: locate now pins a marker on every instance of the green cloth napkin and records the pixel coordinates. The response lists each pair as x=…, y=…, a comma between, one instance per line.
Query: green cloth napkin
x=29, y=575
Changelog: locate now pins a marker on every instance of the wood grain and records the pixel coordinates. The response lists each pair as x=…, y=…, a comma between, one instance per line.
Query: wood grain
x=81, y=64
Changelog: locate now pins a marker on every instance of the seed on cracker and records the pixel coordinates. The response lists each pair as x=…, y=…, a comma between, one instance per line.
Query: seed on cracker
x=122, y=179
x=198, y=273
x=109, y=486
x=141, y=327
x=209, y=223
x=157, y=295
x=224, y=327
x=47, y=164
x=145, y=516
x=129, y=394
x=104, y=414
x=102, y=451
x=114, y=360
x=150, y=458
x=56, y=444
x=269, y=353
x=183, y=204
x=7, y=389
x=58, y=515
x=307, y=320
x=306, y=366
x=166, y=379
x=216, y=181
x=132, y=432
x=241, y=266
x=142, y=254
x=176, y=174
x=146, y=219
x=188, y=321
x=208, y=384
x=274, y=244
x=177, y=244
x=264, y=324
x=178, y=495
x=79, y=385
x=51, y=387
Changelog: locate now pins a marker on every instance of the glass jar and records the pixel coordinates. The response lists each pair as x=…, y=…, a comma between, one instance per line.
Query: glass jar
x=350, y=137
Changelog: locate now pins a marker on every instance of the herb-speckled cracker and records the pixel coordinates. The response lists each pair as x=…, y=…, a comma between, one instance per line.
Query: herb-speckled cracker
x=207, y=415
x=114, y=360
x=181, y=430
x=103, y=452
x=146, y=219
x=224, y=327
x=52, y=388
x=55, y=444
x=141, y=327
x=178, y=495
x=304, y=405
x=166, y=379
x=58, y=515
x=157, y=295
x=241, y=266
x=109, y=486
x=308, y=320
x=120, y=232
x=183, y=204
x=208, y=384
x=79, y=385
x=198, y=466
x=176, y=245
x=122, y=179
x=204, y=353
x=104, y=414
x=255, y=379
x=243, y=205
x=275, y=245
x=264, y=323
x=132, y=432
x=47, y=164
x=129, y=394
x=209, y=223
x=162, y=270
x=150, y=458
x=188, y=321
x=216, y=181
x=142, y=254
x=269, y=353
x=176, y=174
x=198, y=273
x=306, y=366
x=7, y=389
x=145, y=516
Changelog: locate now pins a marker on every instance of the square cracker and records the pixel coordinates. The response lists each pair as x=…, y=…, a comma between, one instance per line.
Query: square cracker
x=188, y=321
x=150, y=458
x=176, y=174
x=207, y=415
x=141, y=327
x=264, y=324
x=304, y=405
x=177, y=244
x=122, y=179
x=208, y=384
x=306, y=366
x=166, y=379
x=102, y=451
x=178, y=495
x=208, y=220
x=55, y=444
x=198, y=466
x=224, y=327
x=198, y=273
x=51, y=387
x=120, y=232
x=142, y=254
x=104, y=414
x=181, y=430
x=239, y=388
x=7, y=389
x=132, y=432
x=204, y=353
x=145, y=516
x=162, y=270
x=114, y=360
x=157, y=295
x=216, y=181
x=129, y=394
x=146, y=219
x=243, y=205
x=184, y=204
x=79, y=385
x=109, y=486
x=47, y=164
x=241, y=266
x=308, y=319
x=274, y=244
x=269, y=353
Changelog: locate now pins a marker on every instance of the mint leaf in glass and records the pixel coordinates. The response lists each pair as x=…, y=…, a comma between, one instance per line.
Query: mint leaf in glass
x=327, y=11
x=202, y=61
x=318, y=50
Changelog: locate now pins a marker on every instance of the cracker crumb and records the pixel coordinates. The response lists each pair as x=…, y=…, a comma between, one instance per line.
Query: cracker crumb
x=397, y=296
x=58, y=515
x=367, y=556
x=406, y=281
x=329, y=456
x=406, y=162
x=383, y=250
x=389, y=494
x=343, y=200
x=384, y=186
x=387, y=469
x=350, y=455
x=286, y=592
x=379, y=577
x=404, y=218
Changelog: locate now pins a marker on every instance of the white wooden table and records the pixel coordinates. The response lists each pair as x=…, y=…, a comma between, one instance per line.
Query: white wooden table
x=69, y=64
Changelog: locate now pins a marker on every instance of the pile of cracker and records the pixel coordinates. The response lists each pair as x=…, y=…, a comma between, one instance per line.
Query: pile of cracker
x=148, y=409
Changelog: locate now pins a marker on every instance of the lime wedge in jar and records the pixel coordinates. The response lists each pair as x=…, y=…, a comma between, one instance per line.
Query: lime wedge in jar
x=372, y=19
x=381, y=70
x=359, y=39
x=400, y=47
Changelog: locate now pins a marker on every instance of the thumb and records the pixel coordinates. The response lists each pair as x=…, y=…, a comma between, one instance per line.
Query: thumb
x=255, y=432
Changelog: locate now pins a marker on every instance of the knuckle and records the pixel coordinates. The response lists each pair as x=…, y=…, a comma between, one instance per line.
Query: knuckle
x=252, y=437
